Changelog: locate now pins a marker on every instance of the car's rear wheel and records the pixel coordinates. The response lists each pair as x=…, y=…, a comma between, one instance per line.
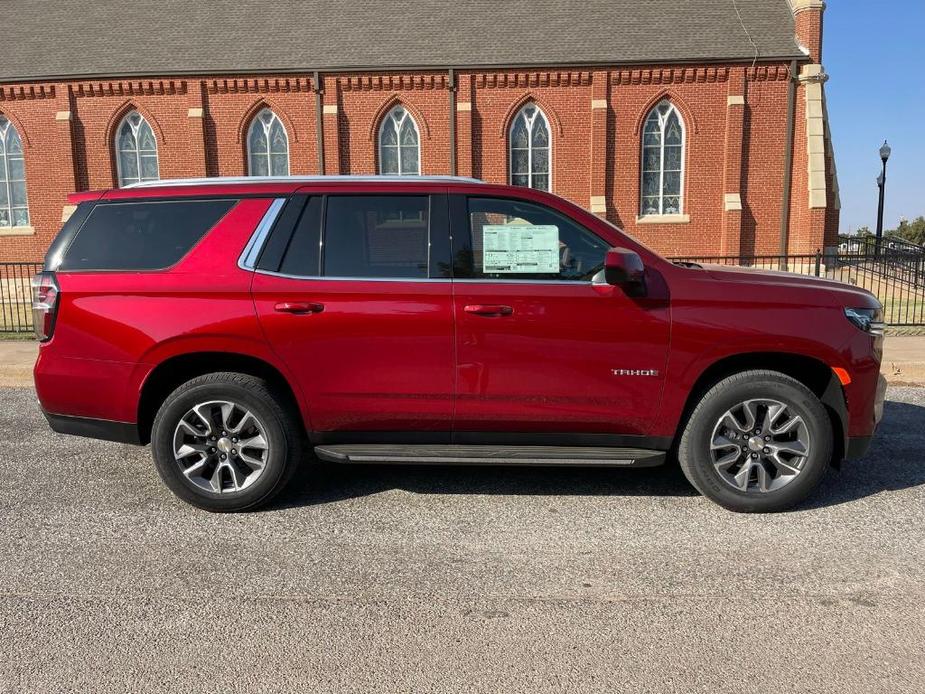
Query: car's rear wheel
x=758, y=441
x=224, y=442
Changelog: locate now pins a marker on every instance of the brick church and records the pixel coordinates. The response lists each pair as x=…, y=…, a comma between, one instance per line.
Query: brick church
x=700, y=127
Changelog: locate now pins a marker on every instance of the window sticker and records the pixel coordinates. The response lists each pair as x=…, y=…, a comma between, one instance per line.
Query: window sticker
x=512, y=249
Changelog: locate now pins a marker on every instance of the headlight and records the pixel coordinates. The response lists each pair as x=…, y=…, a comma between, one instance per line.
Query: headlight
x=870, y=320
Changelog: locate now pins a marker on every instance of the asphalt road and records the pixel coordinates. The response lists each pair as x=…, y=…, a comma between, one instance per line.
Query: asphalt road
x=456, y=579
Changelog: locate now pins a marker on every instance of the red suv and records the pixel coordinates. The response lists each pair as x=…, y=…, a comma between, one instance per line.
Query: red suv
x=237, y=324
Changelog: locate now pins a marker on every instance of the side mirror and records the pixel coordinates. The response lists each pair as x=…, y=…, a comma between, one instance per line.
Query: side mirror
x=623, y=268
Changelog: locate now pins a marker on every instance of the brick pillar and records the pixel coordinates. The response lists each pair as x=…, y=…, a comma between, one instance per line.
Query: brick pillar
x=600, y=108
x=331, y=124
x=64, y=144
x=64, y=118
x=196, y=130
x=731, y=234
x=464, y=106
x=317, y=100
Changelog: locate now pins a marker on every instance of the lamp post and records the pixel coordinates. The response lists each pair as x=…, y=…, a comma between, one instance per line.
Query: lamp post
x=881, y=183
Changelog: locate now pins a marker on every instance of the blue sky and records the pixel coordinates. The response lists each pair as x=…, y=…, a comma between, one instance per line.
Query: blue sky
x=874, y=53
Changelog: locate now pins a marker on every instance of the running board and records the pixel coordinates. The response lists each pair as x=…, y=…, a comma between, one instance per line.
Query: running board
x=454, y=454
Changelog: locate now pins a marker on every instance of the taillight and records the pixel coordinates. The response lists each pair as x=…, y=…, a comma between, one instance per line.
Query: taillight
x=44, y=304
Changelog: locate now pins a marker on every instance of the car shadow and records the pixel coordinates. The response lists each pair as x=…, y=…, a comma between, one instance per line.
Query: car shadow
x=323, y=483
x=894, y=462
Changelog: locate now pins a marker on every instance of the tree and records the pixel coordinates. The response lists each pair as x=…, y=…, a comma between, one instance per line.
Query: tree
x=913, y=232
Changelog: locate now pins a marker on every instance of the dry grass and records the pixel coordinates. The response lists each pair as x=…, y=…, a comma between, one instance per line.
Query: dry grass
x=16, y=318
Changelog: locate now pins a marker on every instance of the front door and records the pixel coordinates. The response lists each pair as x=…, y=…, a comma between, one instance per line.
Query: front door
x=360, y=314
x=543, y=345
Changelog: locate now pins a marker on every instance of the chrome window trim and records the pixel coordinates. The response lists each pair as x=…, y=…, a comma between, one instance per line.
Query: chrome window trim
x=248, y=258
x=496, y=281
x=418, y=279
x=353, y=279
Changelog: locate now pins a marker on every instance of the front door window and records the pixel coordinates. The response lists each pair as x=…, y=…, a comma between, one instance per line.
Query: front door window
x=516, y=240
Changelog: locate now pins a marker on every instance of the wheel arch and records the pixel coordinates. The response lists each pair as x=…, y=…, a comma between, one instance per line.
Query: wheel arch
x=176, y=370
x=813, y=373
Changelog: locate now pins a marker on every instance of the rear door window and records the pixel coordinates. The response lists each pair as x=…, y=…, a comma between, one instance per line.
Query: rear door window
x=304, y=251
x=376, y=236
x=149, y=235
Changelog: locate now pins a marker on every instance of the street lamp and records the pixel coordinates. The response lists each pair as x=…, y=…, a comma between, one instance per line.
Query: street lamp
x=881, y=183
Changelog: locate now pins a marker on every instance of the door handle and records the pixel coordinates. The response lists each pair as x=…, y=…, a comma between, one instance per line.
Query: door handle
x=489, y=310
x=298, y=307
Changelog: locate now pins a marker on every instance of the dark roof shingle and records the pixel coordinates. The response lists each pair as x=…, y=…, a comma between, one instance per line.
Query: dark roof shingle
x=84, y=38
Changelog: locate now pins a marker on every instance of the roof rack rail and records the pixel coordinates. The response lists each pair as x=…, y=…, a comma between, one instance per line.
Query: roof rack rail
x=225, y=180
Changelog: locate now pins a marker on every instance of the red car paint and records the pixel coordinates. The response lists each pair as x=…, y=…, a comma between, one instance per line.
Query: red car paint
x=424, y=355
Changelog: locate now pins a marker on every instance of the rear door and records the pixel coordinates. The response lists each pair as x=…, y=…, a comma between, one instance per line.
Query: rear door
x=543, y=345
x=354, y=297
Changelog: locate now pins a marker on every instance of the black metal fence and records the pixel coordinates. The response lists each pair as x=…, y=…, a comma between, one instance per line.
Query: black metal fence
x=894, y=272
x=903, y=260
x=16, y=296
x=896, y=276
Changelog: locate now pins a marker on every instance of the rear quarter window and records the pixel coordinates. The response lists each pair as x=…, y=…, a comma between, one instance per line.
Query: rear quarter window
x=141, y=235
x=64, y=238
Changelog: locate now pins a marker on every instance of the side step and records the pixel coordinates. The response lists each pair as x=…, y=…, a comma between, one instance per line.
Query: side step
x=490, y=455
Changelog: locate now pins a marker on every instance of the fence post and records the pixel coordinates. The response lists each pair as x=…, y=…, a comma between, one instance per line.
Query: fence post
x=818, y=261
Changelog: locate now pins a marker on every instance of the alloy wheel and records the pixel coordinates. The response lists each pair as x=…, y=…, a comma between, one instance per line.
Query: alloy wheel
x=760, y=446
x=221, y=447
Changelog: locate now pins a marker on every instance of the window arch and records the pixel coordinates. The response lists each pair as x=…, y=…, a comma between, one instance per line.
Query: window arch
x=663, y=142
x=267, y=146
x=14, y=205
x=530, y=149
x=399, y=144
x=136, y=150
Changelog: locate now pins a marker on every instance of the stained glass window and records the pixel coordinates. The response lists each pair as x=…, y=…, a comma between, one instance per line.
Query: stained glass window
x=136, y=150
x=267, y=146
x=662, y=161
x=14, y=205
x=399, y=144
x=530, y=149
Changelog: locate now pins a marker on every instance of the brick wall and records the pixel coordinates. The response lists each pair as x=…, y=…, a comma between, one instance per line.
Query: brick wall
x=595, y=120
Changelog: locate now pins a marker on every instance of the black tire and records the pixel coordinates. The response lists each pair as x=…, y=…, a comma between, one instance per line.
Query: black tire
x=283, y=432
x=694, y=448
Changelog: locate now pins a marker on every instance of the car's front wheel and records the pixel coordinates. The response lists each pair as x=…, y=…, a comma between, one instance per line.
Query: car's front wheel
x=224, y=442
x=758, y=441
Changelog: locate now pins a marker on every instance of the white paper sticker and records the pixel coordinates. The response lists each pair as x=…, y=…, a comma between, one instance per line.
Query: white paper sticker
x=515, y=248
